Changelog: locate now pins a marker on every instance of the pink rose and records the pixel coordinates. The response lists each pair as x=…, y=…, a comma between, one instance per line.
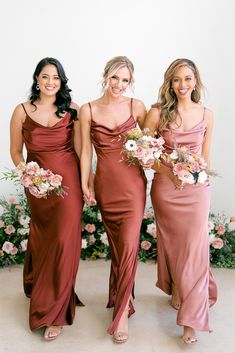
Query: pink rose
x=34, y=191
x=220, y=229
x=14, y=251
x=24, y=244
x=9, y=229
x=7, y=247
x=47, y=174
x=186, y=177
x=232, y=219
x=217, y=243
x=2, y=224
x=104, y=238
x=26, y=181
x=148, y=215
x=11, y=201
x=152, y=230
x=55, y=180
x=178, y=167
x=32, y=168
x=90, y=228
x=145, y=245
x=139, y=152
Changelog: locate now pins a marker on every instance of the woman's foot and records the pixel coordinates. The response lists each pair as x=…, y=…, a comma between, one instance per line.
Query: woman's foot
x=189, y=336
x=52, y=332
x=175, y=299
x=121, y=334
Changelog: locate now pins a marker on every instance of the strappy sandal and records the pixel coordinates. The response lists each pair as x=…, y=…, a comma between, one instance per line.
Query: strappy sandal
x=52, y=332
x=120, y=337
x=189, y=340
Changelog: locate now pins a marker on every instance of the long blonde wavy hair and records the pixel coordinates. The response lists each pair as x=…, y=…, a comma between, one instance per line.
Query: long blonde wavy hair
x=113, y=65
x=167, y=100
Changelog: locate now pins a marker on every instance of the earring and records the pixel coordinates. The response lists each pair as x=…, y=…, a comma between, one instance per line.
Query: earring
x=194, y=88
x=37, y=86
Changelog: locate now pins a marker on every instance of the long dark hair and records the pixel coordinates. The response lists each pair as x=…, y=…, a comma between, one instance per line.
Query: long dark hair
x=63, y=97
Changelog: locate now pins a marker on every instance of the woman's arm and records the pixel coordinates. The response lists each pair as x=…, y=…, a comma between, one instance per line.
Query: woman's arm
x=86, y=154
x=16, y=138
x=76, y=131
x=139, y=112
x=208, y=137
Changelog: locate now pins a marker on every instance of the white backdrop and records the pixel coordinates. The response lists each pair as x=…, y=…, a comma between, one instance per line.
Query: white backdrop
x=84, y=34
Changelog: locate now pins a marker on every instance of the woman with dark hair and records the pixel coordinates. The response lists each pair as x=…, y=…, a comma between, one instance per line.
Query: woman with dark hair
x=182, y=209
x=48, y=126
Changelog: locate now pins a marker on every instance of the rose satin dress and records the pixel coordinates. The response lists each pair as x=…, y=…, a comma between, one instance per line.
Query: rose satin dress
x=183, y=244
x=120, y=191
x=54, y=243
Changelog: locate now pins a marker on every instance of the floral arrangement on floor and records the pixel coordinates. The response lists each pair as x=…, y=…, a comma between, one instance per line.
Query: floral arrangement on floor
x=14, y=230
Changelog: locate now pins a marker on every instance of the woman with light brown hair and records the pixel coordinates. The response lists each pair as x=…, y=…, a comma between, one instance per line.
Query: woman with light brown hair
x=182, y=210
x=119, y=187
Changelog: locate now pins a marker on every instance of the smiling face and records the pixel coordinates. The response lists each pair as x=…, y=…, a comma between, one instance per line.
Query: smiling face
x=183, y=82
x=118, y=83
x=48, y=80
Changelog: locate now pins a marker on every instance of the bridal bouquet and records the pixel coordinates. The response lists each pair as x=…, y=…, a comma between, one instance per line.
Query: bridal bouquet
x=38, y=181
x=140, y=146
x=189, y=167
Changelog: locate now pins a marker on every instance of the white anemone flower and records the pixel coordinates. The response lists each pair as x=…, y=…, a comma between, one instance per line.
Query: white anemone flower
x=131, y=145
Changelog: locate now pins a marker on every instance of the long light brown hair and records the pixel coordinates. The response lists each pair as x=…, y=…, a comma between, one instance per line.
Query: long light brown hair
x=167, y=100
x=113, y=65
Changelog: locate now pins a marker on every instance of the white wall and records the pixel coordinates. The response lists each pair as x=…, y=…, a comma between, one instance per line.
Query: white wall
x=83, y=35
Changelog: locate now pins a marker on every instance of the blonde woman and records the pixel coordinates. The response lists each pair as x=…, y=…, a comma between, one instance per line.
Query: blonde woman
x=182, y=210
x=119, y=188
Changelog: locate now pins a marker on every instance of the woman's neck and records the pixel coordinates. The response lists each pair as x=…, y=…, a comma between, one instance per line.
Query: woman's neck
x=45, y=100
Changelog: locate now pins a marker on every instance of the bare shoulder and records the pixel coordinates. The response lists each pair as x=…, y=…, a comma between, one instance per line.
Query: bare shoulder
x=154, y=113
x=138, y=104
x=75, y=106
x=209, y=116
x=19, y=114
x=84, y=111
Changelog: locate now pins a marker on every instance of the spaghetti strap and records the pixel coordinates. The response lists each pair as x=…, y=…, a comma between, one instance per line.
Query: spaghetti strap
x=89, y=104
x=204, y=111
x=131, y=106
x=24, y=108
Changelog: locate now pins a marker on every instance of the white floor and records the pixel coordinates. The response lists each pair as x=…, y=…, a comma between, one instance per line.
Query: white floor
x=152, y=328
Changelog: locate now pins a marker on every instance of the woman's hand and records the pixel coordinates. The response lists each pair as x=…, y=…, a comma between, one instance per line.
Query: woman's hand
x=89, y=196
x=175, y=180
x=148, y=164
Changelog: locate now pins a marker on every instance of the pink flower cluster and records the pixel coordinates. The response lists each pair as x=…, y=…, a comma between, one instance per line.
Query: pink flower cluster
x=38, y=181
x=217, y=227
x=189, y=167
x=140, y=146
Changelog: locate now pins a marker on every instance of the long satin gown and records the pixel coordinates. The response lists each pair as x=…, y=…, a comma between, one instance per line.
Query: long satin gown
x=183, y=244
x=54, y=243
x=120, y=191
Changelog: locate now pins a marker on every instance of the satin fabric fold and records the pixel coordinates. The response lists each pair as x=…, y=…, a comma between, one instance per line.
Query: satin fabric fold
x=120, y=193
x=183, y=242
x=54, y=243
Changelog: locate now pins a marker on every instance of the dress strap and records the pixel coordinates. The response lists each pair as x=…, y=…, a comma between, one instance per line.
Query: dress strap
x=131, y=106
x=89, y=104
x=204, y=111
x=24, y=108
